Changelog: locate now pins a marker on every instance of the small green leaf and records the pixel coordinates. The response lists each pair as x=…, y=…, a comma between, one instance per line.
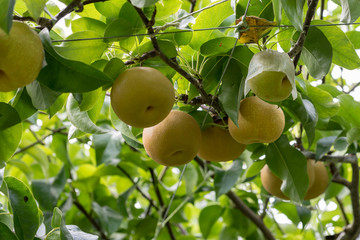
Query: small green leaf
x=255, y=168
x=323, y=146
x=8, y=116
x=290, y=165
x=57, y=221
x=110, y=219
x=323, y=102
x=277, y=10
x=304, y=215
x=86, y=23
x=349, y=109
x=228, y=234
x=114, y=67
x=317, y=53
x=353, y=135
x=35, y=7
x=190, y=177
x=260, y=8
x=143, y=3
x=10, y=139
x=107, y=147
x=123, y=199
x=23, y=105
x=6, y=10
x=208, y=217
x=289, y=210
x=225, y=180
x=41, y=96
x=81, y=120
x=77, y=234
x=24, y=207
x=294, y=12
x=110, y=9
x=63, y=75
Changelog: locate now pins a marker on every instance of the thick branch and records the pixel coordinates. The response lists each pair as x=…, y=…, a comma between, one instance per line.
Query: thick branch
x=257, y=220
x=337, y=178
x=207, y=98
x=332, y=159
x=296, y=50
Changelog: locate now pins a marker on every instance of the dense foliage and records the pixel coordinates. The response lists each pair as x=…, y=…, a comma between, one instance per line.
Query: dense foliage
x=70, y=169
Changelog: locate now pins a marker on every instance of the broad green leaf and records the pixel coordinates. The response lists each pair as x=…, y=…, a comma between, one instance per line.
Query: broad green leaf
x=228, y=234
x=323, y=102
x=344, y=53
x=25, y=210
x=167, y=47
x=23, y=105
x=225, y=180
x=217, y=46
x=8, y=116
x=350, y=11
x=317, y=53
x=89, y=99
x=77, y=234
x=91, y=24
x=123, y=199
x=212, y=17
x=290, y=165
x=143, y=3
x=35, y=7
x=85, y=51
x=304, y=215
x=107, y=147
x=340, y=144
x=81, y=120
x=254, y=168
x=110, y=9
x=41, y=96
x=353, y=135
x=63, y=75
x=10, y=139
x=58, y=105
x=208, y=217
x=277, y=10
x=43, y=194
x=323, y=146
x=6, y=233
x=183, y=38
x=349, y=109
x=129, y=21
x=289, y=210
x=294, y=12
x=114, y=67
x=354, y=37
x=333, y=190
x=57, y=221
x=165, y=8
x=6, y=10
x=305, y=111
x=110, y=219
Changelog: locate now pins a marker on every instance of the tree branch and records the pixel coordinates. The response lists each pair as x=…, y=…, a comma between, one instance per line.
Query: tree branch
x=207, y=98
x=337, y=178
x=145, y=56
x=161, y=201
x=295, y=52
x=342, y=209
x=332, y=159
x=193, y=4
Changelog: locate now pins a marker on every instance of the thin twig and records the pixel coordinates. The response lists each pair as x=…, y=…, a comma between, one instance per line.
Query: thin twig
x=161, y=201
x=193, y=4
x=337, y=178
x=263, y=214
x=342, y=209
x=332, y=159
x=145, y=56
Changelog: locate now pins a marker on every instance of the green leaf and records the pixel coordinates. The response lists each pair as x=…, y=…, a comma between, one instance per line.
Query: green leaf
x=85, y=51
x=277, y=10
x=190, y=177
x=323, y=102
x=8, y=116
x=110, y=219
x=212, y=17
x=208, y=217
x=41, y=96
x=6, y=10
x=353, y=135
x=237, y=220
x=228, y=234
x=23, y=105
x=81, y=120
x=167, y=47
x=354, y=37
x=344, y=53
x=107, y=147
x=225, y=180
x=289, y=210
x=349, y=109
x=304, y=214
x=254, y=169
x=35, y=7
x=63, y=75
x=305, y=111
x=323, y=146
x=25, y=210
x=129, y=21
x=350, y=11
x=123, y=199
x=290, y=165
x=317, y=53
x=46, y=199
x=217, y=46
x=260, y=8
x=114, y=67
x=10, y=139
x=6, y=233
x=294, y=12
x=166, y=8
x=86, y=23
x=57, y=221
x=110, y=9
x=77, y=234
x=143, y=3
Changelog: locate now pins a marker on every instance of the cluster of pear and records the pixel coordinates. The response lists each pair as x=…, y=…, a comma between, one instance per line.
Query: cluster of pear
x=21, y=56
x=318, y=180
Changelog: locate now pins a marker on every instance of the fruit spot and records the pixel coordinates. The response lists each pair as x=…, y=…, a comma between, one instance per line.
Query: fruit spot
x=177, y=153
x=26, y=199
x=220, y=45
x=149, y=108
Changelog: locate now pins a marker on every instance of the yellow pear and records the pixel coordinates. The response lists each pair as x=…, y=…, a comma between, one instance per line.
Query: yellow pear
x=321, y=180
x=174, y=141
x=259, y=122
x=271, y=76
x=217, y=145
x=272, y=183
x=21, y=57
x=142, y=96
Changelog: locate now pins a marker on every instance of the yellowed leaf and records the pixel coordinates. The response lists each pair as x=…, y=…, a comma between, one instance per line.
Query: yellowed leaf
x=255, y=31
